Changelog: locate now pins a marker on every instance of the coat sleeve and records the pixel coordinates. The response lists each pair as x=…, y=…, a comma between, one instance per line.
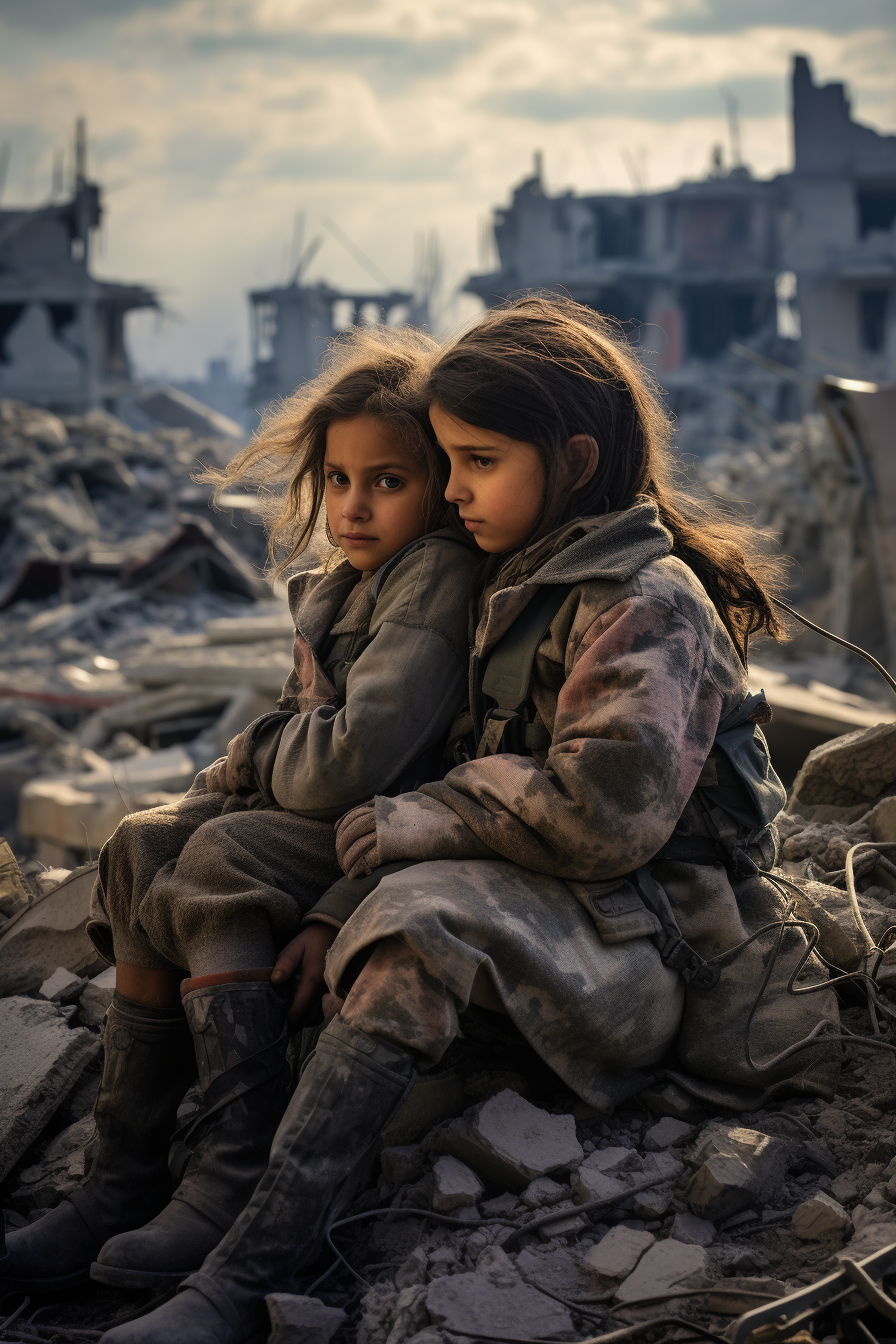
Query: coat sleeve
x=635, y=721
x=402, y=695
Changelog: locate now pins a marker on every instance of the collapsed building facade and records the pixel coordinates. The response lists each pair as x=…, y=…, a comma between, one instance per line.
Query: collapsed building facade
x=800, y=267
x=62, y=331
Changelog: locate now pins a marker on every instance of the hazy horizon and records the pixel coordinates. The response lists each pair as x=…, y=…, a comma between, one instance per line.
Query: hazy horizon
x=212, y=125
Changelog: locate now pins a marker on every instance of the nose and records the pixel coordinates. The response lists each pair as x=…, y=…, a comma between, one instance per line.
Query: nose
x=355, y=506
x=456, y=492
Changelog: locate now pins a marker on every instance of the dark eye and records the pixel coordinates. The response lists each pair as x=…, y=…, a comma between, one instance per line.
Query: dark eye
x=337, y=478
x=482, y=461
x=391, y=482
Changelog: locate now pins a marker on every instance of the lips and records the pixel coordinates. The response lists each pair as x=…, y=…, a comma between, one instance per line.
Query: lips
x=356, y=537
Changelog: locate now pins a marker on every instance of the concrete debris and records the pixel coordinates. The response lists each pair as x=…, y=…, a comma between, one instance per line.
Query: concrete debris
x=509, y=1141
x=588, y=1183
x=848, y=772
x=557, y=1269
x=454, y=1185
x=178, y=410
x=62, y=986
x=617, y=1254
x=692, y=1230
x=821, y=1217
x=667, y=1133
x=402, y=1165
x=296, y=1319
x=666, y=1266
x=14, y=894
x=738, y=1168
x=40, y=1060
x=563, y=1227
x=97, y=997
x=50, y=934
x=470, y=1303
x=62, y=1167
x=543, y=1193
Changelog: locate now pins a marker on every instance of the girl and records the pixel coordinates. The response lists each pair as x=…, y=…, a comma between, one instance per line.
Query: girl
x=212, y=886
x=583, y=871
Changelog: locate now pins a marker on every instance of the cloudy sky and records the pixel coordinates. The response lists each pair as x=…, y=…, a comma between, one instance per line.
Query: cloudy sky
x=214, y=123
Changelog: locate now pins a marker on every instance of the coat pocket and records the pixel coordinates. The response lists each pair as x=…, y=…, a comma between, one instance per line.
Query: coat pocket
x=616, y=909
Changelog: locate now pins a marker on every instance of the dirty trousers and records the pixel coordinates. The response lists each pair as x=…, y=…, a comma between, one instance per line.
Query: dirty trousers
x=173, y=877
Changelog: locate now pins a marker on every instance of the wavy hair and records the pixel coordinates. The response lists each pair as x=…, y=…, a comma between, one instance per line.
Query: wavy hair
x=543, y=369
x=374, y=370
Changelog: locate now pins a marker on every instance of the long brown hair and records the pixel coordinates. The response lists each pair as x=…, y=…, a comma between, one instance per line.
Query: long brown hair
x=377, y=370
x=542, y=369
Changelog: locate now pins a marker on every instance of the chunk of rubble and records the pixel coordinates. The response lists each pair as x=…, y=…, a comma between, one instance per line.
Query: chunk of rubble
x=667, y=1265
x=820, y=1217
x=296, y=1319
x=543, y=1193
x=613, y=1160
x=62, y=986
x=51, y=933
x=510, y=1142
x=557, y=1268
x=667, y=1133
x=692, y=1230
x=501, y=1206
x=673, y=1101
x=470, y=1303
x=563, y=1227
x=589, y=1184
x=41, y=1058
x=739, y=1168
x=617, y=1254
x=454, y=1185
x=97, y=997
x=14, y=894
x=848, y=772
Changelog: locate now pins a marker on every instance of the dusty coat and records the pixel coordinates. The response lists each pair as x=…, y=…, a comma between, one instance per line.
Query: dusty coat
x=630, y=681
x=172, y=875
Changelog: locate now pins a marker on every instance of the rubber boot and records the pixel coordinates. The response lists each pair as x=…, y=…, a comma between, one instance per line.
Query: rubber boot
x=148, y=1066
x=350, y=1088
x=240, y=1034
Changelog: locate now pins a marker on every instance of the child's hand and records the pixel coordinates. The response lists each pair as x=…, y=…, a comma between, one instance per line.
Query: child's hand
x=356, y=841
x=305, y=957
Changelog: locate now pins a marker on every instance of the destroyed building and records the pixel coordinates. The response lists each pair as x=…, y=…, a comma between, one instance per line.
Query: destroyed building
x=801, y=266
x=62, y=331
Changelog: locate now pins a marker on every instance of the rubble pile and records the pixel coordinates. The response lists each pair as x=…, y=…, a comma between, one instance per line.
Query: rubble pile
x=501, y=1206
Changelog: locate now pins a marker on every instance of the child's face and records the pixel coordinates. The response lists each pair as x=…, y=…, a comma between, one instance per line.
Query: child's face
x=374, y=491
x=497, y=483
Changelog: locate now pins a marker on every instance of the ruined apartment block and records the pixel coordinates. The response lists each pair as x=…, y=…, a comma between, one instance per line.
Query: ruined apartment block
x=800, y=267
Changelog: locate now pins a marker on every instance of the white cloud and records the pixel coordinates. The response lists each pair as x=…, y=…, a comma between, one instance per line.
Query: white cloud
x=218, y=119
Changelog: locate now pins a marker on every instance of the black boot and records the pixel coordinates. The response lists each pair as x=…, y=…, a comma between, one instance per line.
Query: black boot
x=349, y=1089
x=241, y=1039
x=147, y=1068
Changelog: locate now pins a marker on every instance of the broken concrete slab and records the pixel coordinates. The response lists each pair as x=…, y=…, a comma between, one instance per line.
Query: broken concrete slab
x=693, y=1231
x=617, y=1254
x=589, y=1184
x=297, y=1319
x=557, y=1268
x=611, y=1161
x=51, y=933
x=454, y=1185
x=470, y=1303
x=511, y=1142
x=563, y=1227
x=62, y=986
x=668, y=1265
x=819, y=1218
x=847, y=772
x=97, y=997
x=543, y=1193
x=652, y=1204
x=740, y=1168
x=41, y=1058
x=667, y=1133
x=500, y=1207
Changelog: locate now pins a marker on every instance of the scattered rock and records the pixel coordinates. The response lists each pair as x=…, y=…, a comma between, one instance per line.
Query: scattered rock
x=543, y=1193
x=296, y=1319
x=454, y=1185
x=51, y=933
x=612, y=1160
x=97, y=997
x=667, y=1133
x=847, y=771
x=588, y=1184
x=652, y=1204
x=820, y=1217
x=509, y=1141
x=740, y=1167
x=556, y=1268
x=40, y=1060
x=666, y=1265
x=673, y=1101
x=692, y=1231
x=500, y=1207
x=62, y=986
x=563, y=1227
x=873, y=1237
x=616, y=1255
x=469, y=1302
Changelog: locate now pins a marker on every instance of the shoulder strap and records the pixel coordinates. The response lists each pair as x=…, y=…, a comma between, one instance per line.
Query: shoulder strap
x=508, y=670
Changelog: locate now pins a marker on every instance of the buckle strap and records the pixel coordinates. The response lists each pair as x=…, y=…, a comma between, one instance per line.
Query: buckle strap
x=235, y=1082
x=674, y=952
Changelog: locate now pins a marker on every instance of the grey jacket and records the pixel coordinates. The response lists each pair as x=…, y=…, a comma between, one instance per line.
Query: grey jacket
x=372, y=692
